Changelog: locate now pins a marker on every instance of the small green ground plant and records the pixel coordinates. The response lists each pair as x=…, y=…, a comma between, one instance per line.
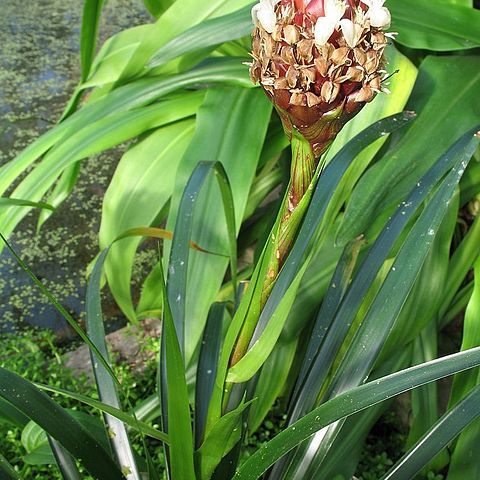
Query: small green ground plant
x=309, y=255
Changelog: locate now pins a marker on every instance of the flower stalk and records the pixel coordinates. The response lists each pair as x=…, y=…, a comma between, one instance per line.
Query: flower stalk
x=319, y=62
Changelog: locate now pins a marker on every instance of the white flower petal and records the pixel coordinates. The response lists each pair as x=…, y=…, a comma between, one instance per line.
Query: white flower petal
x=374, y=3
x=334, y=9
x=264, y=14
x=379, y=17
x=255, y=10
x=323, y=30
x=351, y=31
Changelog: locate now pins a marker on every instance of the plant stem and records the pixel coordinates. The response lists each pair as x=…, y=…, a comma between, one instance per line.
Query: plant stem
x=305, y=170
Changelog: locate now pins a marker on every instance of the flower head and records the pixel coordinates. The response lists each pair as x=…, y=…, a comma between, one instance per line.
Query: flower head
x=320, y=61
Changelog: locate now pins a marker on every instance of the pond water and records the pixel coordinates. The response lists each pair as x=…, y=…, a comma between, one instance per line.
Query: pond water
x=39, y=67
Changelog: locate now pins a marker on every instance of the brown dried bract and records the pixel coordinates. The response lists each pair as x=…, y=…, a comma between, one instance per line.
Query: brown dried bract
x=306, y=81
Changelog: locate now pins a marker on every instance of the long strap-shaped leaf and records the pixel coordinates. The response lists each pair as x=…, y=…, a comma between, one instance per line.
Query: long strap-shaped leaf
x=106, y=386
x=205, y=35
x=9, y=202
x=178, y=268
x=351, y=402
x=181, y=441
x=381, y=316
x=207, y=368
x=447, y=428
x=176, y=407
x=178, y=264
x=336, y=291
x=324, y=191
x=379, y=252
x=114, y=412
x=37, y=406
x=88, y=39
x=64, y=460
x=136, y=94
x=7, y=472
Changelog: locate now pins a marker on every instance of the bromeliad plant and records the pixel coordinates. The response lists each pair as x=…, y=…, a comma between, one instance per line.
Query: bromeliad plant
x=330, y=316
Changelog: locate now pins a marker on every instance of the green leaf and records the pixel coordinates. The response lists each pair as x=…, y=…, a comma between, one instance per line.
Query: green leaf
x=180, y=252
x=309, y=378
x=100, y=135
x=33, y=436
x=157, y=7
x=449, y=426
x=41, y=455
x=175, y=408
x=178, y=18
x=7, y=471
x=9, y=414
x=351, y=402
x=231, y=127
x=59, y=424
x=219, y=442
x=463, y=383
x=106, y=385
x=261, y=348
x=62, y=190
x=460, y=264
x=445, y=85
x=156, y=156
x=271, y=382
x=121, y=415
x=428, y=294
x=23, y=203
x=66, y=463
x=207, y=367
x=205, y=35
x=464, y=463
x=438, y=26
x=92, y=10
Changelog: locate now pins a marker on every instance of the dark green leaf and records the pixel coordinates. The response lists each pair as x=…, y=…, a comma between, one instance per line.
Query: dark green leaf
x=445, y=86
x=179, y=256
x=448, y=427
x=351, y=402
x=65, y=461
x=124, y=417
x=174, y=392
x=207, y=367
x=59, y=424
x=7, y=472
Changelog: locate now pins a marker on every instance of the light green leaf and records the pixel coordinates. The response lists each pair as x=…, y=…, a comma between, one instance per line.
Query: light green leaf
x=142, y=184
x=92, y=10
x=438, y=25
x=231, y=127
x=258, y=353
x=219, y=441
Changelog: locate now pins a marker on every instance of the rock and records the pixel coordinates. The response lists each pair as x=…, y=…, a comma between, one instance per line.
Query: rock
x=125, y=346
